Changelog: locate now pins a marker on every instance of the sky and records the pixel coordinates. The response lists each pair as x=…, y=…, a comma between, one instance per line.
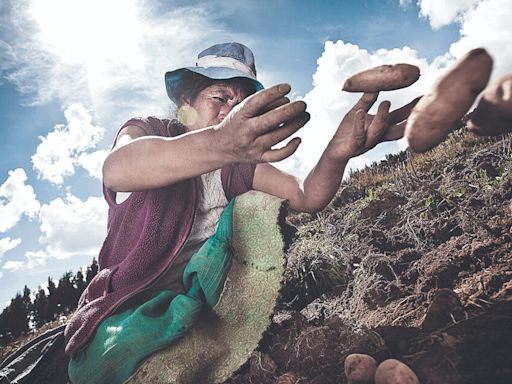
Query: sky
x=73, y=71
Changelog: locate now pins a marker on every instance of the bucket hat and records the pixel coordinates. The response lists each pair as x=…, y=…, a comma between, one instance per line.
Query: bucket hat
x=219, y=62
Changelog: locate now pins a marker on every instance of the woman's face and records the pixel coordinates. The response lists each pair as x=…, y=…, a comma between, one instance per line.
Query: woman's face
x=212, y=105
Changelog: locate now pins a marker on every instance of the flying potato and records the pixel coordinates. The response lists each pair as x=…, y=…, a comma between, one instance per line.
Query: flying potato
x=493, y=114
x=440, y=111
x=382, y=78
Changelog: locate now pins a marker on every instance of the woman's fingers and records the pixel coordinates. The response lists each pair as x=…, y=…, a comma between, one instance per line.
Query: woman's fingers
x=378, y=125
x=258, y=102
x=400, y=114
x=358, y=129
x=366, y=102
x=276, y=104
x=282, y=132
x=273, y=155
x=274, y=118
x=395, y=131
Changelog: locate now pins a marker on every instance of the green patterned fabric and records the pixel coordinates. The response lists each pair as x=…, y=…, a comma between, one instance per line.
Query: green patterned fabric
x=124, y=340
x=237, y=274
x=223, y=338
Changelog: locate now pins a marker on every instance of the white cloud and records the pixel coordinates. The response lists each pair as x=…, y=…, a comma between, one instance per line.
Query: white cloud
x=70, y=227
x=35, y=259
x=327, y=103
x=483, y=24
x=93, y=162
x=441, y=13
x=7, y=244
x=488, y=25
x=405, y=3
x=16, y=199
x=117, y=67
x=13, y=265
x=60, y=151
x=7, y=56
x=1, y=274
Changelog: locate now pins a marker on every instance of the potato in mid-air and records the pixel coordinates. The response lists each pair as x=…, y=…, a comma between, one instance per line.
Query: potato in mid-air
x=382, y=78
x=439, y=112
x=493, y=114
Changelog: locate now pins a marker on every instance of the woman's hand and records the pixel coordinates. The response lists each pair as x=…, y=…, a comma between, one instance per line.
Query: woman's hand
x=360, y=131
x=260, y=121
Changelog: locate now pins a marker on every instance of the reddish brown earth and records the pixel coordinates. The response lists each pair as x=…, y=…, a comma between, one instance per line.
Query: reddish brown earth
x=411, y=261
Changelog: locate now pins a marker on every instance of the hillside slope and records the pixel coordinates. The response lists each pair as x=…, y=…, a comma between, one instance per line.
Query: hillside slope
x=413, y=234
x=411, y=260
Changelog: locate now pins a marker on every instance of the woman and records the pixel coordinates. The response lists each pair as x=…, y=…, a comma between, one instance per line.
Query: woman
x=167, y=183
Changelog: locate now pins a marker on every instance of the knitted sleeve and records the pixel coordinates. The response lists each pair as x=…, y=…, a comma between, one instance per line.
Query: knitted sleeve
x=152, y=126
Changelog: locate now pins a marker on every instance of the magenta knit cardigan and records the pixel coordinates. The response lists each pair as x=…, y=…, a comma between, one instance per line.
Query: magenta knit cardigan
x=145, y=233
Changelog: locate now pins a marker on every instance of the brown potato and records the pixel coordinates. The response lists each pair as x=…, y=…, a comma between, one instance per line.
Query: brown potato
x=493, y=114
x=382, y=78
x=288, y=378
x=360, y=368
x=392, y=371
x=439, y=112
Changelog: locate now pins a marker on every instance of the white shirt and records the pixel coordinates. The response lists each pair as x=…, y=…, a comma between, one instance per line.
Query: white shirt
x=211, y=202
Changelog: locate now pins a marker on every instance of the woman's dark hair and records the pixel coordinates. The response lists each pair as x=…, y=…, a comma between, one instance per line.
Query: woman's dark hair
x=193, y=84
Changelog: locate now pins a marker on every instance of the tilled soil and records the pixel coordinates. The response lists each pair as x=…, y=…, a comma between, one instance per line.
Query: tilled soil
x=411, y=261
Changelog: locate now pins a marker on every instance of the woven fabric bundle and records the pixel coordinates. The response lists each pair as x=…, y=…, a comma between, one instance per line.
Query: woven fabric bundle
x=222, y=339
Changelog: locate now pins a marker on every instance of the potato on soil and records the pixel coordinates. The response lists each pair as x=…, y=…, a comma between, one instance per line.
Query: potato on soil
x=288, y=378
x=493, y=114
x=440, y=111
x=392, y=371
x=382, y=78
x=360, y=368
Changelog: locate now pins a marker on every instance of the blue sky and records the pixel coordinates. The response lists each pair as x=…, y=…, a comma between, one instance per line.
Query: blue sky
x=72, y=71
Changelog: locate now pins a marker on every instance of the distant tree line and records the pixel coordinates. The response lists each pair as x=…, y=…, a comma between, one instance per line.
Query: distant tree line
x=25, y=313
